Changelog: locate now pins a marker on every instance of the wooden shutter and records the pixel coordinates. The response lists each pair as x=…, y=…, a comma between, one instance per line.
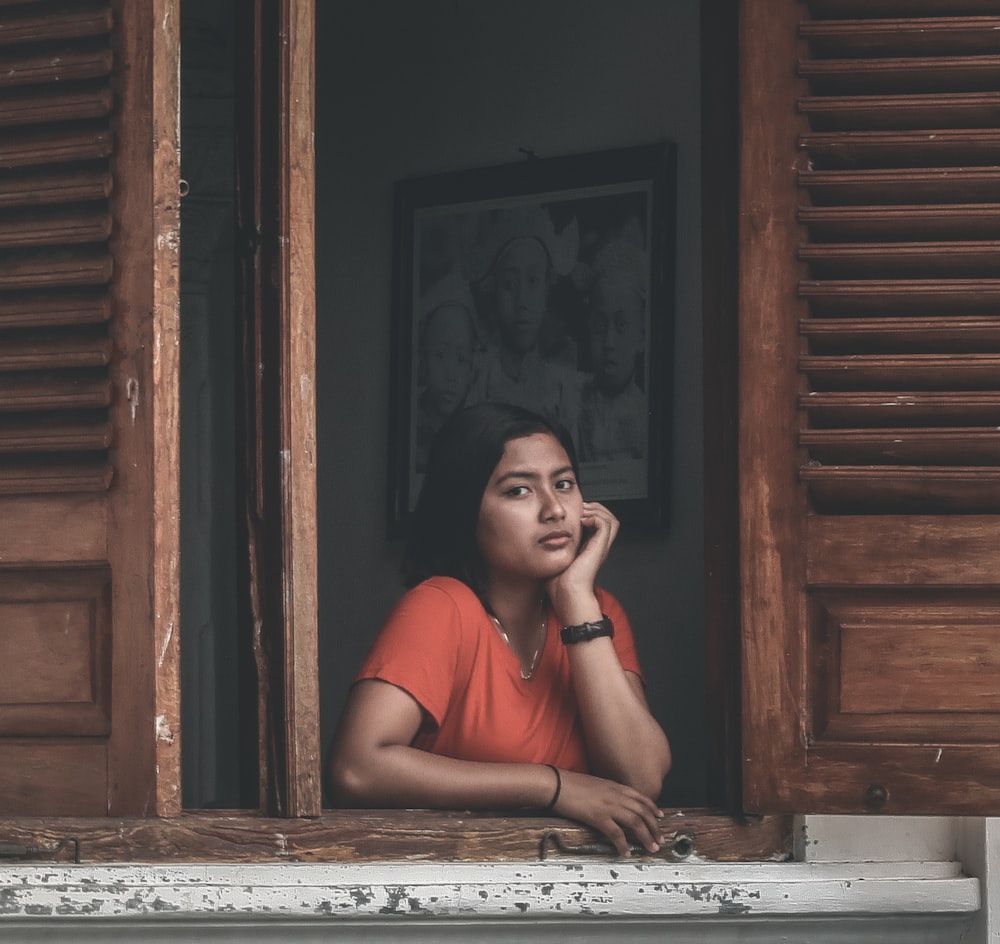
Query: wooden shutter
x=870, y=404
x=88, y=287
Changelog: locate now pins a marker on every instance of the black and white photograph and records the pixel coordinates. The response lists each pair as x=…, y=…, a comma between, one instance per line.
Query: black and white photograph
x=545, y=284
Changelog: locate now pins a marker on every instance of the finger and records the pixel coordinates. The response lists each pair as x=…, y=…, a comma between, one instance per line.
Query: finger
x=618, y=839
x=645, y=833
x=602, y=520
x=646, y=822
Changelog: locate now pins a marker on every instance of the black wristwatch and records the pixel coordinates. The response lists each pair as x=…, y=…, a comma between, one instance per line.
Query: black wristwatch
x=587, y=631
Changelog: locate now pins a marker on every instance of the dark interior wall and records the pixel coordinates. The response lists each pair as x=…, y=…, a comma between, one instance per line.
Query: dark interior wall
x=412, y=87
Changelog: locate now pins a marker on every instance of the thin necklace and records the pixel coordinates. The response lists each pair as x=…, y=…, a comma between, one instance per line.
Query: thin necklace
x=526, y=674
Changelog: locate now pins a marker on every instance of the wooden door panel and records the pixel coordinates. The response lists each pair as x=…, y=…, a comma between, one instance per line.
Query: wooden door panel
x=55, y=653
x=908, y=667
x=59, y=777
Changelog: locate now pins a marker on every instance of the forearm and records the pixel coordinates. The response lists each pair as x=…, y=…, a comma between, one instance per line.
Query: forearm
x=397, y=776
x=624, y=741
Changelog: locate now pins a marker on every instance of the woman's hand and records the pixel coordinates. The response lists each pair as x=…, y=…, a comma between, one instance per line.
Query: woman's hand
x=614, y=810
x=572, y=591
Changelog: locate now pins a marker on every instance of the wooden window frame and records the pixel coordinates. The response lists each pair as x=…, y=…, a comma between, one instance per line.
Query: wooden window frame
x=748, y=295
x=277, y=206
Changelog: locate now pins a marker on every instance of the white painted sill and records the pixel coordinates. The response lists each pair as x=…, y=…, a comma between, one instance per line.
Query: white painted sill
x=559, y=888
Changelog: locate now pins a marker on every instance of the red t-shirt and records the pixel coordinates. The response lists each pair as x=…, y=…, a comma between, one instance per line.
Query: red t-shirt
x=441, y=647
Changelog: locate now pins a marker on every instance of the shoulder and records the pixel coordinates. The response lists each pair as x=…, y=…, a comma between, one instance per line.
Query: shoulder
x=442, y=593
x=432, y=622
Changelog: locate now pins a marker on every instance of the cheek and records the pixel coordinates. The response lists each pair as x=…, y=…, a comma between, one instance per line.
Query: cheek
x=537, y=298
x=504, y=303
x=491, y=535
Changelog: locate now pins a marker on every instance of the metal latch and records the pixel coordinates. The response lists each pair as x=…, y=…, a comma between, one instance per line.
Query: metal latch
x=10, y=850
x=680, y=845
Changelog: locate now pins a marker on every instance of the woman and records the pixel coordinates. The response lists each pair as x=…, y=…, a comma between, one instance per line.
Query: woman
x=505, y=678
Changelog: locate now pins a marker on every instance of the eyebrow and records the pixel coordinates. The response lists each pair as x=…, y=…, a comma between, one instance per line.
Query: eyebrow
x=520, y=474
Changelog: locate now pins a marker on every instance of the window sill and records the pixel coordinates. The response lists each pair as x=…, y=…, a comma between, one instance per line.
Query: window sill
x=501, y=894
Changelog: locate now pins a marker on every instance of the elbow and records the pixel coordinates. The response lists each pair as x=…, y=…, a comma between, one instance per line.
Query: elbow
x=346, y=783
x=652, y=783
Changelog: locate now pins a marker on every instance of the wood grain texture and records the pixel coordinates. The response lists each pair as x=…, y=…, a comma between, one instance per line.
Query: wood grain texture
x=373, y=835
x=163, y=30
x=298, y=425
x=772, y=503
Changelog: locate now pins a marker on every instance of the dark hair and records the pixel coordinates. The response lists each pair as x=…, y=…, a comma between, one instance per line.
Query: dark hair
x=441, y=536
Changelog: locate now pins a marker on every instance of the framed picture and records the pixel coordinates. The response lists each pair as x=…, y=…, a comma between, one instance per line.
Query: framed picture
x=548, y=283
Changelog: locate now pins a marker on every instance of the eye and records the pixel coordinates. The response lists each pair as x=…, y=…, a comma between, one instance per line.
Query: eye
x=516, y=491
x=566, y=485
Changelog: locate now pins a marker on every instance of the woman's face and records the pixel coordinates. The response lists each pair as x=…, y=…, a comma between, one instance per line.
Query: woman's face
x=529, y=516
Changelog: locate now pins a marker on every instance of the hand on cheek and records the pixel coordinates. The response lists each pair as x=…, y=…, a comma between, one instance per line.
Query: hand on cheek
x=598, y=530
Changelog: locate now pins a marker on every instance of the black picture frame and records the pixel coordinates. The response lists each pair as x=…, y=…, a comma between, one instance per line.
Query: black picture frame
x=604, y=224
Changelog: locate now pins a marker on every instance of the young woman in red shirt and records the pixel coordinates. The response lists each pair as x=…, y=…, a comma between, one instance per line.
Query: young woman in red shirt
x=505, y=678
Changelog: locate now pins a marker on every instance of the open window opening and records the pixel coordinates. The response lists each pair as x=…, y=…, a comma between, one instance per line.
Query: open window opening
x=449, y=88
x=366, y=139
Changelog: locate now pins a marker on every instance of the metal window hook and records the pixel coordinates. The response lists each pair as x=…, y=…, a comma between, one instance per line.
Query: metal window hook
x=680, y=845
x=10, y=850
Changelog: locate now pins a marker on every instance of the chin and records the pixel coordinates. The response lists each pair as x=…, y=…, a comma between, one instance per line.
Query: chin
x=556, y=566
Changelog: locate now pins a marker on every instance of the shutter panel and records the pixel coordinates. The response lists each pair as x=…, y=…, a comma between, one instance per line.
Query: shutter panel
x=870, y=389
x=79, y=410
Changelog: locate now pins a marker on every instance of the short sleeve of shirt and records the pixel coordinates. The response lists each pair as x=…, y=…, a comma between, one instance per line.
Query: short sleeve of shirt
x=419, y=647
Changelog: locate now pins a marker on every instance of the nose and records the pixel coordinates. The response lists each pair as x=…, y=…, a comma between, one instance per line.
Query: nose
x=609, y=337
x=553, y=508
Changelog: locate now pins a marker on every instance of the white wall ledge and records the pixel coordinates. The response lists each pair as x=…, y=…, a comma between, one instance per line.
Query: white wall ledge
x=559, y=888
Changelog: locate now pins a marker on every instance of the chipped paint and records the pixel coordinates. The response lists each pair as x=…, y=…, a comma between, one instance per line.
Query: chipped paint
x=166, y=644
x=489, y=890
x=163, y=732
x=132, y=395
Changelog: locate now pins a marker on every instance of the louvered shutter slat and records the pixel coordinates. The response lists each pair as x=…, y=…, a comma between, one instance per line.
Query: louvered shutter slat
x=839, y=223
x=848, y=409
x=38, y=148
x=56, y=229
x=44, y=310
x=40, y=24
x=881, y=34
x=69, y=65
x=41, y=190
x=916, y=333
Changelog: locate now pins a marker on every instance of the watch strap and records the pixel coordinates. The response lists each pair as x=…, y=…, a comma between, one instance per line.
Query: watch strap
x=584, y=632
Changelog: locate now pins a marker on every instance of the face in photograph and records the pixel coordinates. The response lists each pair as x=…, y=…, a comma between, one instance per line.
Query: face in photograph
x=448, y=357
x=616, y=331
x=521, y=283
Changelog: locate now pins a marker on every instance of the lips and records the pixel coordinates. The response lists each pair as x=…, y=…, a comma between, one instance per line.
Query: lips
x=556, y=539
